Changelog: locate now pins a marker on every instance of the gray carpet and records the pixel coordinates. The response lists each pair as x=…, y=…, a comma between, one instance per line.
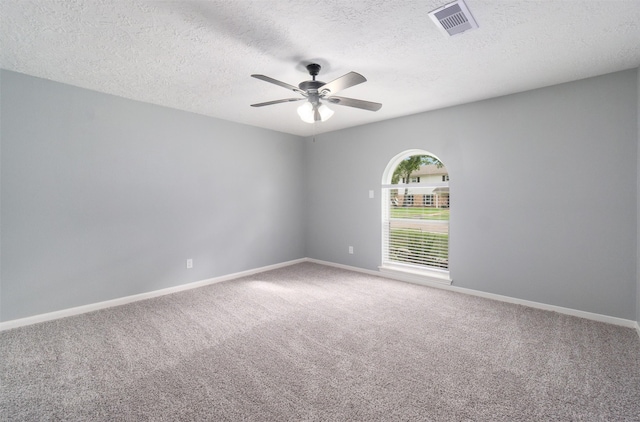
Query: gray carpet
x=310, y=342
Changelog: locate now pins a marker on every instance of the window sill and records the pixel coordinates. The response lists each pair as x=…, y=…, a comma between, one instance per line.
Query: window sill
x=416, y=275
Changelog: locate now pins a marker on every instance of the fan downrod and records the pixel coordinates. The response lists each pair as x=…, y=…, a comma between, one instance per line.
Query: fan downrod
x=312, y=86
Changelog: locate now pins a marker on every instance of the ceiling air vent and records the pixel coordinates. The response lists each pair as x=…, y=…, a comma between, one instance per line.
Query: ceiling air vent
x=453, y=18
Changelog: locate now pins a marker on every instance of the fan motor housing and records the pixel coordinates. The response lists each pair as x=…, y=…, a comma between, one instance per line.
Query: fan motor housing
x=310, y=85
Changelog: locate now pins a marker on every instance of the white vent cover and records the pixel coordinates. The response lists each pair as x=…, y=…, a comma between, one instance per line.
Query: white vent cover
x=453, y=18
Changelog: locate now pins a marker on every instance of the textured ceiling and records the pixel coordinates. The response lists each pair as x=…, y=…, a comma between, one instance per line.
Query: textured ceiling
x=198, y=55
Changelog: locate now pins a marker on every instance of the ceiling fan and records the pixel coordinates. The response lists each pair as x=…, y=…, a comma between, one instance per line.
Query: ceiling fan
x=315, y=92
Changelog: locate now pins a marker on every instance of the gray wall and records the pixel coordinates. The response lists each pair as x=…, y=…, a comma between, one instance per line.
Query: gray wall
x=104, y=197
x=543, y=191
x=638, y=211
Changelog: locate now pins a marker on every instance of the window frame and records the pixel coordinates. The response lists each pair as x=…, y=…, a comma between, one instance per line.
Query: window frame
x=404, y=271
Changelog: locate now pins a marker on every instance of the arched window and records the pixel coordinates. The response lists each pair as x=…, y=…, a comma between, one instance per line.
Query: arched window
x=415, y=217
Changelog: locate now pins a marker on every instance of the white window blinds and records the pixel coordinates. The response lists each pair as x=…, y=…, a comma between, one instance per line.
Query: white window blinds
x=416, y=226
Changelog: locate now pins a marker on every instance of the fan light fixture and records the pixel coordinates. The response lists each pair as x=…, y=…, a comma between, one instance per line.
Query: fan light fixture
x=307, y=112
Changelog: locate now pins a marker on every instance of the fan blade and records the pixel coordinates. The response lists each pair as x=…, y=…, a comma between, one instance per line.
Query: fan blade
x=343, y=82
x=286, y=100
x=350, y=102
x=279, y=83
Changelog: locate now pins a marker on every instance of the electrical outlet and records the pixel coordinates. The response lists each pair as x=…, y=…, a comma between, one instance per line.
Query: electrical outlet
x=189, y=263
x=351, y=250
x=370, y=194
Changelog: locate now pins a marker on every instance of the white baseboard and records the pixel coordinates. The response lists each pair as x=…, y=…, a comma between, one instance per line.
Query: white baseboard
x=15, y=323
x=567, y=311
x=344, y=267
x=7, y=325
